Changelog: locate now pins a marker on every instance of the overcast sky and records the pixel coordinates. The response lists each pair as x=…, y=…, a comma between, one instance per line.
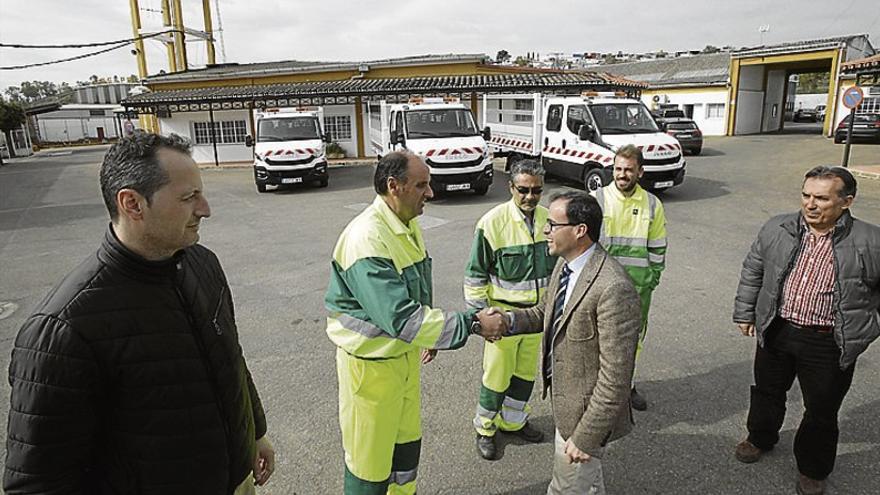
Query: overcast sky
x=352, y=30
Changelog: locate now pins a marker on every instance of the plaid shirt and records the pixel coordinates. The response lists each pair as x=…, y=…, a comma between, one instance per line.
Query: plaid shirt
x=808, y=290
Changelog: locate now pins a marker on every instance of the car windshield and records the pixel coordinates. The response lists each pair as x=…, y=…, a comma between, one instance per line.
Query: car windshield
x=623, y=118
x=288, y=129
x=440, y=123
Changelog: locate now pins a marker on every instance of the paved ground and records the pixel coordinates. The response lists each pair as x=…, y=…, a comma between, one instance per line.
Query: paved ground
x=275, y=248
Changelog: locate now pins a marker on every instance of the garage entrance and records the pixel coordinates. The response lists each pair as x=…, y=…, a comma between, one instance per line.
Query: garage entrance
x=759, y=88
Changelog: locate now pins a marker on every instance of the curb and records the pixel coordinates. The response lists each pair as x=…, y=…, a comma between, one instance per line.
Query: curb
x=865, y=174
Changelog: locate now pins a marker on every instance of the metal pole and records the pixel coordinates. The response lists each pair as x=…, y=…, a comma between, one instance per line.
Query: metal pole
x=169, y=45
x=849, y=128
x=206, y=12
x=213, y=137
x=139, y=44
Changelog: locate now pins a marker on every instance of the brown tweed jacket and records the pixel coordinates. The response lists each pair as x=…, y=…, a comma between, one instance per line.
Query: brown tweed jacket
x=593, y=352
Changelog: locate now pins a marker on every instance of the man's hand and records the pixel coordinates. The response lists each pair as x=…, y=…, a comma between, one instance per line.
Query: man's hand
x=428, y=355
x=264, y=462
x=747, y=329
x=574, y=454
x=494, y=324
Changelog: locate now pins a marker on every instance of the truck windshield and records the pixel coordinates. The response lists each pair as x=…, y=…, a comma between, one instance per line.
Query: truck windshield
x=623, y=118
x=288, y=129
x=440, y=123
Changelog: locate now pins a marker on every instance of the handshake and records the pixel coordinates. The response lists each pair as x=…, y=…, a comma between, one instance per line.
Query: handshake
x=494, y=324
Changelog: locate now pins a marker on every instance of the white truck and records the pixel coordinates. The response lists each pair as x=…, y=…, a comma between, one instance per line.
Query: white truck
x=289, y=147
x=575, y=137
x=440, y=130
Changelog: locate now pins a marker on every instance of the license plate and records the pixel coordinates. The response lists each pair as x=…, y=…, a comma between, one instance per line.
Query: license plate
x=665, y=183
x=292, y=180
x=458, y=187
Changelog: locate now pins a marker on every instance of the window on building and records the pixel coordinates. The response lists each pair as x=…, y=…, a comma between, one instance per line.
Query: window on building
x=96, y=113
x=715, y=110
x=225, y=132
x=870, y=104
x=338, y=127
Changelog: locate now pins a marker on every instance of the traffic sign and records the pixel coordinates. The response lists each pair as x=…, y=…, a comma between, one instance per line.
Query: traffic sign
x=852, y=97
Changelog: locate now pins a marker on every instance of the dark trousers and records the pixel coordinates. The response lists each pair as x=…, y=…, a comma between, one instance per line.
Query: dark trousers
x=813, y=357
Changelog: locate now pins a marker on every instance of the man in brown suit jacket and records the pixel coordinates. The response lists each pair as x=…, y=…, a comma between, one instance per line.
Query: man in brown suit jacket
x=590, y=317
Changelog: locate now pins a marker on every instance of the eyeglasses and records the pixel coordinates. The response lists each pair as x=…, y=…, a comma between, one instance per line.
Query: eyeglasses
x=551, y=225
x=525, y=190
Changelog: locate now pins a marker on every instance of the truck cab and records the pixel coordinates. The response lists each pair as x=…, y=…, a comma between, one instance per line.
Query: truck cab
x=443, y=132
x=583, y=133
x=289, y=148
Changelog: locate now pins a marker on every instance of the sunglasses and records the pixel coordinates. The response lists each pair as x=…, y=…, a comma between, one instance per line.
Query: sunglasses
x=525, y=190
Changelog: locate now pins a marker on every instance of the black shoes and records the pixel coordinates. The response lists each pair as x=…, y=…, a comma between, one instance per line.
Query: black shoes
x=638, y=402
x=528, y=433
x=486, y=447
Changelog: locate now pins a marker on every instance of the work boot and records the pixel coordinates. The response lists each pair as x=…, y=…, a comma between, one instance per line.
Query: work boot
x=747, y=453
x=486, y=447
x=809, y=486
x=528, y=433
x=638, y=402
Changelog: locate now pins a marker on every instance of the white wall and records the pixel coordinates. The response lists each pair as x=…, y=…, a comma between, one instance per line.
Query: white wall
x=182, y=124
x=773, y=97
x=73, y=125
x=749, y=100
x=810, y=100
x=700, y=99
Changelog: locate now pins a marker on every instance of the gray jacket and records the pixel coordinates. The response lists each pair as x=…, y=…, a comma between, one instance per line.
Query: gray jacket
x=856, y=296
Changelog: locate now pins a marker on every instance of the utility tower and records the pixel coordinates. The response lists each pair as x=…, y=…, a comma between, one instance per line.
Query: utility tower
x=175, y=41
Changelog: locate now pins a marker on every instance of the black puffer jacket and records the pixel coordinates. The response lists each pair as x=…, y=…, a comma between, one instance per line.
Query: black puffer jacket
x=129, y=379
x=856, y=299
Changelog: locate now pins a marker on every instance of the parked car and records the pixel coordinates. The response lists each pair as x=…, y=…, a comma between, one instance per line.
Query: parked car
x=805, y=115
x=664, y=115
x=820, y=113
x=866, y=129
x=689, y=136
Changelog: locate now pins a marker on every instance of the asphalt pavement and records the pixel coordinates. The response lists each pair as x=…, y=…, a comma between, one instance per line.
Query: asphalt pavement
x=275, y=247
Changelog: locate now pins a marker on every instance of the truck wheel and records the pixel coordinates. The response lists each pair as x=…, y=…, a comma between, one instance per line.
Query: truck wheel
x=323, y=182
x=261, y=187
x=697, y=151
x=594, y=180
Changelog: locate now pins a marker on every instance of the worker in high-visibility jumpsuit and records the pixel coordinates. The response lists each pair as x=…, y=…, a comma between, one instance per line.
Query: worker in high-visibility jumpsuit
x=634, y=233
x=509, y=267
x=381, y=320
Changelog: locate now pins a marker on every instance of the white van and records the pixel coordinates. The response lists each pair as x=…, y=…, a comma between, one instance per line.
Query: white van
x=575, y=137
x=440, y=130
x=289, y=148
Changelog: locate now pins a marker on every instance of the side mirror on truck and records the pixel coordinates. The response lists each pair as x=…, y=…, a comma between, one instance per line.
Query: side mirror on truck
x=249, y=141
x=487, y=134
x=397, y=138
x=586, y=132
x=326, y=138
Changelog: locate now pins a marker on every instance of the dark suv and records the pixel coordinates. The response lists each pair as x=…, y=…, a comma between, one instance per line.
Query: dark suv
x=689, y=136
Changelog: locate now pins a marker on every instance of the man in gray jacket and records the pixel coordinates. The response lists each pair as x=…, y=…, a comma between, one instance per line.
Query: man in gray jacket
x=810, y=291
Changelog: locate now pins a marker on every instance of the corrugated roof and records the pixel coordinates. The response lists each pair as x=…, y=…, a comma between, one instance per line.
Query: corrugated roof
x=340, y=92
x=707, y=69
x=236, y=70
x=795, y=46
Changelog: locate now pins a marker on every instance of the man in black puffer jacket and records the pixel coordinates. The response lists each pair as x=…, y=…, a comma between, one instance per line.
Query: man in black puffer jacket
x=129, y=378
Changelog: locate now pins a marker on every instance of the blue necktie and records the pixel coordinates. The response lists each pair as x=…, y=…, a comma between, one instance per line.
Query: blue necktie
x=559, y=304
x=558, y=307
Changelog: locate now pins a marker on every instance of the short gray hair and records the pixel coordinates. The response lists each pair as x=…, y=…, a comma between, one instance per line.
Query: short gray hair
x=527, y=167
